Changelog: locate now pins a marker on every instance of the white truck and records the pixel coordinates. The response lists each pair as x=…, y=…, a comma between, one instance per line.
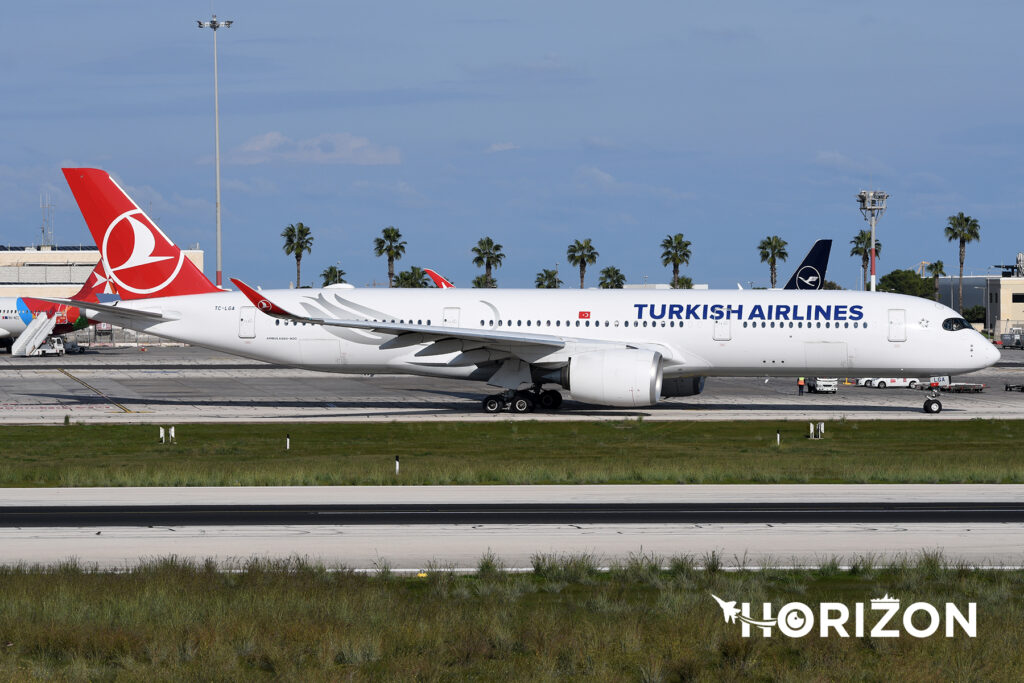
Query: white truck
x=54, y=346
x=823, y=385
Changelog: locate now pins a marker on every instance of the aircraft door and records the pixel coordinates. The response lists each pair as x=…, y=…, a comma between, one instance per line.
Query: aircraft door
x=897, y=325
x=723, y=330
x=451, y=317
x=247, y=322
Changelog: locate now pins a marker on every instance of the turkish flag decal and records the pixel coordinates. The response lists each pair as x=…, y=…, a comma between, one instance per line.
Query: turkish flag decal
x=584, y=315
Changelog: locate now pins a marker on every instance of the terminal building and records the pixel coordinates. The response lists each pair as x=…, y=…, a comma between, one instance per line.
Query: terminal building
x=1001, y=295
x=54, y=271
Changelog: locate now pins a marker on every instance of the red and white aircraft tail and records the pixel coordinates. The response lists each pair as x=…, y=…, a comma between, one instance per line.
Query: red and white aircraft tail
x=97, y=283
x=439, y=281
x=138, y=259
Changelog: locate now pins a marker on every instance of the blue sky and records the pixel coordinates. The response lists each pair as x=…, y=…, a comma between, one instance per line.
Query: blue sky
x=535, y=123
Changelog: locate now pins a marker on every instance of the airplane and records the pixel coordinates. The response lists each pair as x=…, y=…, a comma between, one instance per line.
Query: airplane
x=439, y=281
x=810, y=274
x=626, y=348
x=17, y=313
x=729, y=609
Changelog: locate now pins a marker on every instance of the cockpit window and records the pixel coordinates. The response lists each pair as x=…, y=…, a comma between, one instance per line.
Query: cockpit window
x=954, y=324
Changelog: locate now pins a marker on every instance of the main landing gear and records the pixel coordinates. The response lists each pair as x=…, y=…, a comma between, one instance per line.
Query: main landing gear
x=523, y=401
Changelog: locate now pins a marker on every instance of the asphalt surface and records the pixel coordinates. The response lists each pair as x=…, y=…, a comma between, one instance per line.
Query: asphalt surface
x=552, y=513
x=411, y=527
x=185, y=384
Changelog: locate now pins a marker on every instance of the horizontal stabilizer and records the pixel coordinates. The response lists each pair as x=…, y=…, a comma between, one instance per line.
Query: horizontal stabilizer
x=112, y=309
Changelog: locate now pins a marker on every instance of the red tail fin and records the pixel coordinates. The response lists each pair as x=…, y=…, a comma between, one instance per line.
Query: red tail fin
x=439, y=281
x=96, y=283
x=137, y=257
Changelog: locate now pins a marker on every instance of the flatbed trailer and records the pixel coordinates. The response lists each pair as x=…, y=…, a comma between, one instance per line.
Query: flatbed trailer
x=963, y=388
x=1015, y=387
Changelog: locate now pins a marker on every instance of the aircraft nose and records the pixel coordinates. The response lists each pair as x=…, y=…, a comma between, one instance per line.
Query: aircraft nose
x=992, y=355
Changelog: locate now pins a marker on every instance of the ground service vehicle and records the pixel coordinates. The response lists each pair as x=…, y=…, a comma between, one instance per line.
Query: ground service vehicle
x=892, y=382
x=54, y=346
x=823, y=385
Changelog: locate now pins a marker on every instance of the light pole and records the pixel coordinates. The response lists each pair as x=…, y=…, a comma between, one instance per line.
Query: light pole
x=215, y=24
x=872, y=206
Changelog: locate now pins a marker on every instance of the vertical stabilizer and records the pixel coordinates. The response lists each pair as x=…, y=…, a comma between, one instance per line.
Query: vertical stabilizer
x=138, y=259
x=810, y=274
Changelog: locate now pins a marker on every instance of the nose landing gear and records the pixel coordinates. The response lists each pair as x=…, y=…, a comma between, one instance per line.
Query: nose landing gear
x=932, y=404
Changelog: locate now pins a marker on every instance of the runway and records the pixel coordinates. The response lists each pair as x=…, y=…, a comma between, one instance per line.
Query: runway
x=413, y=527
x=551, y=513
x=184, y=384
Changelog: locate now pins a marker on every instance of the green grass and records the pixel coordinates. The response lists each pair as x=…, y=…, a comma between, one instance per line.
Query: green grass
x=514, y=453
x=296, y=621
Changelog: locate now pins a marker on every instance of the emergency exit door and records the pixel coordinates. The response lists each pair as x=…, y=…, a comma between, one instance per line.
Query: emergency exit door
x=451, y=317
x=247, y=322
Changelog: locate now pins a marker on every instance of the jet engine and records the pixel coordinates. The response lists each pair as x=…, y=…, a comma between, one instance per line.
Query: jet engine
x=682, y=386
x=617, y=377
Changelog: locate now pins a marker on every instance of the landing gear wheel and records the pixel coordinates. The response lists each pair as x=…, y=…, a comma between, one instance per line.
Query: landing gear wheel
x=493, y=404
x=550, y=400
x=521, y=404
x=932, y=406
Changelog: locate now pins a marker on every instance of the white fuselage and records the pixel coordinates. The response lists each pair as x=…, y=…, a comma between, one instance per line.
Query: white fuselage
x=698, y=332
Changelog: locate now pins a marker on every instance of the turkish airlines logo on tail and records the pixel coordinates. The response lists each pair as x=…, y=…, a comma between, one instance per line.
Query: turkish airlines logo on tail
x=137, y=255
x=265, y=305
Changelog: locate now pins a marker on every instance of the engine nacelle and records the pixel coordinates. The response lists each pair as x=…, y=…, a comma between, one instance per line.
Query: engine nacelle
x=617, y=377
x=682, y=386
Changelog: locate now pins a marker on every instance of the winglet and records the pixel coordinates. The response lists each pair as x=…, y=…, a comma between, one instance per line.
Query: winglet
x=262, y=303
x=439, y=281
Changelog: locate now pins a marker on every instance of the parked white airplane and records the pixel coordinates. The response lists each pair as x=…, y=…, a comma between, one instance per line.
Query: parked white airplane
x=17, y=313
x=607, y=347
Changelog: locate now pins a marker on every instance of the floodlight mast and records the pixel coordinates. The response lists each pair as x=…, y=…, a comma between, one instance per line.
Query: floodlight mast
x=872, y=206
x=215, y=24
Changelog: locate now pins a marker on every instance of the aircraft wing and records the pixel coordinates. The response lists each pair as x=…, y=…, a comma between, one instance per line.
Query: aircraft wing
x=113, y=308
x=427, y=332
x=476, y=345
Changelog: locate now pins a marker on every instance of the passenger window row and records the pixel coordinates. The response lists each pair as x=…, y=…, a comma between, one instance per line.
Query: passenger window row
x=818, y=324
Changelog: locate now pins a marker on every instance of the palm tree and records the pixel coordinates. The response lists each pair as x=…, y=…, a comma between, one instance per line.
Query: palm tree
x=676, y=251
x=414, y=277
x=548, y=279
x=963, y=229
x=297, y=239
x=773, y=248
x=935, y=270
x=582, y=254
x=392, y=246
x=684, y=282
x=611, y=278
x=484, y=282
x=862, y=247
x=332, y=275
x=487, y=255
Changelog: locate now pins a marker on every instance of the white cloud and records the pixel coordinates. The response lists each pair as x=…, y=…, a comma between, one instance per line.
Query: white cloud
x=502, y=147
x=591, y=178
x=329, y=148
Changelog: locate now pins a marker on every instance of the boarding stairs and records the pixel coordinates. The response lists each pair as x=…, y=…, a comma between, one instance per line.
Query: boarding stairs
x=34, y=335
